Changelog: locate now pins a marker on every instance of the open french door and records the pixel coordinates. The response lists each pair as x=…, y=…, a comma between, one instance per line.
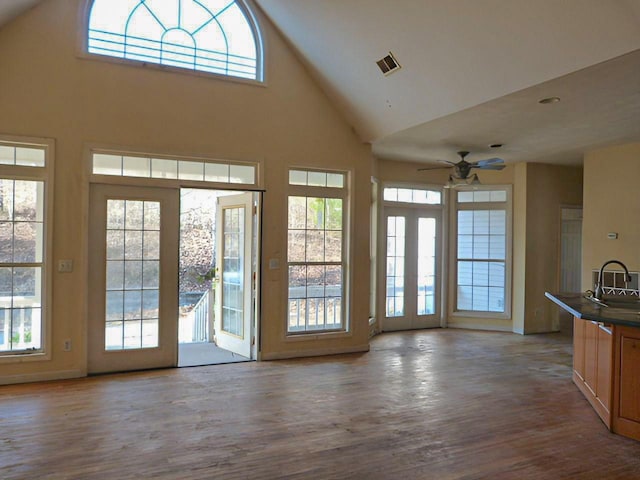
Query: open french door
x=133, y=278
x=235, y=292
x=412, y=292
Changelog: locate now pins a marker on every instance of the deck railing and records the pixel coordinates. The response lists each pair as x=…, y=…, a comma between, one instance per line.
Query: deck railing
x=194, y=326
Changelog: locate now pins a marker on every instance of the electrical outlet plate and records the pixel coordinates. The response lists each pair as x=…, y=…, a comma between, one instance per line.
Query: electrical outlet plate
x=65, y=266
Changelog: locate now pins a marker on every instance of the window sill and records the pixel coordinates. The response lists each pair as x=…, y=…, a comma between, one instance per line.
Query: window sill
x=474, y=314
x=24, y=357
x=313, y=336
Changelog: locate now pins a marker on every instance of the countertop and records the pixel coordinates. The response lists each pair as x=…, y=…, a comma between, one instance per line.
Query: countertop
x=580, y=307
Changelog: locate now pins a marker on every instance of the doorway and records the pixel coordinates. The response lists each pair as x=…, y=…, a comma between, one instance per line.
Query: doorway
x=173, y=277
x=570, y=280
x=217, y=261
x=412, y=295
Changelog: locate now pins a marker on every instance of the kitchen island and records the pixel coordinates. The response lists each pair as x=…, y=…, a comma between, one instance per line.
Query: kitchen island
x=606, y=358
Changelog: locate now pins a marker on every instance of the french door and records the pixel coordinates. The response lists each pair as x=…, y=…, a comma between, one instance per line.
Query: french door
x=133, y=278
x=235, y=262
x=412, y=268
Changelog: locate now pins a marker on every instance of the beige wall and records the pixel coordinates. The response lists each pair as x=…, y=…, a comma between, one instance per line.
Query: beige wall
x=611, y=204
x=46, y=90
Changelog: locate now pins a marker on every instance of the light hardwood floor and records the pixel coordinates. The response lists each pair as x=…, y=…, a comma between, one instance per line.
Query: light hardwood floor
x=439, y=404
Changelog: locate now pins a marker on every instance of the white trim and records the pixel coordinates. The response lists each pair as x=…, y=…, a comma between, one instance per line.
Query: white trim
x=317, y=352
x=344, y=193
x=508, y=262
x=481, y=326
x=91, y=149
x=46, y=175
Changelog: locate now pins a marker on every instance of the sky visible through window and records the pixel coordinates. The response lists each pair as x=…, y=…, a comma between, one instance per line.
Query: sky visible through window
x=205, y=35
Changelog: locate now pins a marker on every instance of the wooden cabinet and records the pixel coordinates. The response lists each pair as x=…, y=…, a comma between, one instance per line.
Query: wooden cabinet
x=592, y=364
x=606, y=369
x=626, y=391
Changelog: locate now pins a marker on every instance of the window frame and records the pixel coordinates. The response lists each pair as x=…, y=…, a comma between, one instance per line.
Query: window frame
x=44, y=174
x=246, y=6
x=457, y=206
x=344, y=193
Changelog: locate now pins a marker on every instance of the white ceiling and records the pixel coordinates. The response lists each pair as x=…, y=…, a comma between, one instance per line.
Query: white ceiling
x=12, y=8
x=472, y=72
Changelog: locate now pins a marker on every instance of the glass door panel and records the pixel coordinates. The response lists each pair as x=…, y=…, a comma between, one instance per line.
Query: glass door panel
x=234, y=312
x=426, y=266
x=133, y=278
x=395, y=266
x=411, y=269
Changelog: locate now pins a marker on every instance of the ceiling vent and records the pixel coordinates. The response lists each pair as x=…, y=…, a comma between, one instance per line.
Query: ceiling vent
x=388, y=64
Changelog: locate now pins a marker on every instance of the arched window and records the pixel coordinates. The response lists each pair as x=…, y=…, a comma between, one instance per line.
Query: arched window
x=215, y=36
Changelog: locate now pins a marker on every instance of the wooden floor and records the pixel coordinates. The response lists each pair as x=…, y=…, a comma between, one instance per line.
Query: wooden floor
x=440, y=404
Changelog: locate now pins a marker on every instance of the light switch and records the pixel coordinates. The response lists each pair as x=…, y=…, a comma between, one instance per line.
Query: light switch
x=65, y=266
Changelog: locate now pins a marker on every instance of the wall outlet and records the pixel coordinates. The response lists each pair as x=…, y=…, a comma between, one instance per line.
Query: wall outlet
x=67, y=345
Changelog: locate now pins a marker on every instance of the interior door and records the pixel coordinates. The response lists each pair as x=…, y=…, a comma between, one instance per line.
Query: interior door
x=234, y=294
x=412, y=296
x=133, y=278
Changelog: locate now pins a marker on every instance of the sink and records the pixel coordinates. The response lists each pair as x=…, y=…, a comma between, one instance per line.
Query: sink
x=632, y=303
x=619, y=304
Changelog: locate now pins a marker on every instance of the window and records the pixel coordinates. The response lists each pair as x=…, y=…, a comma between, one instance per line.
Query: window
x=482, y=261
x=412, y=195
x=130, y=165
x=23, y=238
x=214, y=36
x=316, y=251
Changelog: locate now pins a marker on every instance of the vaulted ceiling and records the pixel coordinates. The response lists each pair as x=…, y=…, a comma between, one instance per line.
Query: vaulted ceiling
x=472, y=72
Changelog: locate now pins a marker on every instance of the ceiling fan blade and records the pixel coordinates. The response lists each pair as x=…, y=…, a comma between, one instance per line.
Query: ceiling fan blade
x=489, y=167
x=432, y=168
x=489, y=161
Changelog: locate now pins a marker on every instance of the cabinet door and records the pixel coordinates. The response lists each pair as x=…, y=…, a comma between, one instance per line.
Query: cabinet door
x=605, y=365
x=578, y=347
x=630, y=375
x=591, y=355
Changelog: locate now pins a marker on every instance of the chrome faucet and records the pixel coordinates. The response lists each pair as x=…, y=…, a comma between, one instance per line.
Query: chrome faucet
x=627, y=278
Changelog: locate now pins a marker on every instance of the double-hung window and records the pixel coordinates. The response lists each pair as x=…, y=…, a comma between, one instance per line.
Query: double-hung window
x=25, y=167
x=316, y=251
x=483, y=226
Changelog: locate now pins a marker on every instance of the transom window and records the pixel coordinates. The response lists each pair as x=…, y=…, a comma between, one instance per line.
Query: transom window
x=483, y=229
x=412, y=195
x=214, y=36
x=140, y=166
x=316, y=251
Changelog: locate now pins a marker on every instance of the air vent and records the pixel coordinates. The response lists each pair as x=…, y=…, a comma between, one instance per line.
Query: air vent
x=388, y=64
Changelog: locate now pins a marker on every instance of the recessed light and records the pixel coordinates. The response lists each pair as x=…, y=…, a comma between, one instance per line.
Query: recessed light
x=548, y=100
x=496, y=145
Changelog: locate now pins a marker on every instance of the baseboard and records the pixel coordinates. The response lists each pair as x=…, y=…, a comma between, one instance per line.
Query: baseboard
x=480, y=326
x=314, y=353
x=41, y=377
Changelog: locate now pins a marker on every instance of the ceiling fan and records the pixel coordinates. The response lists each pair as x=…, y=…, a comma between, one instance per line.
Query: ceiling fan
x=463, y=168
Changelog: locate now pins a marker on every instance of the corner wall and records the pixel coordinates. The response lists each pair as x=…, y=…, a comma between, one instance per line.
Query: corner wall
x=611, y=204
x=549, y=188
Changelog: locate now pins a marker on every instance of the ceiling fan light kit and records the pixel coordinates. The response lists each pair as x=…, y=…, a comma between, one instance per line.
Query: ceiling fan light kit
x=462, y=169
